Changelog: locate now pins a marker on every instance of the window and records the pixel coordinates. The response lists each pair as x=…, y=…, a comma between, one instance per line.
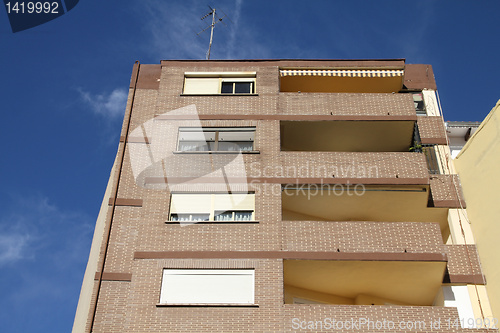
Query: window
x=225, y=83
x=212, y=207
x=235, y=139
x=190, y=217
x=237, y=87
x=233, y=215
x=208, y=286
x=418, y=101
x=432, y=159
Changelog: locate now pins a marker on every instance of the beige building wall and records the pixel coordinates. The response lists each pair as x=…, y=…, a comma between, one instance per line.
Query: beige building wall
x=478, y=165
x=84, y=302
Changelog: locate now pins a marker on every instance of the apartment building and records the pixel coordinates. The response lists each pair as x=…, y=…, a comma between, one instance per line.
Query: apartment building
x=459, y=132
x=283, y=196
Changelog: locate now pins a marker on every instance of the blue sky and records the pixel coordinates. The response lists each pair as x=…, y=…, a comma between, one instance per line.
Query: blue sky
x=64, y=87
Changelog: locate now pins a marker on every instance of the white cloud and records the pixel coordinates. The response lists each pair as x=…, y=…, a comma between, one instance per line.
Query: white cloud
x=43, y=252
x=235, y=18
x=33, y=226
x=13, y=247
x=110, y=105
x=173, y=31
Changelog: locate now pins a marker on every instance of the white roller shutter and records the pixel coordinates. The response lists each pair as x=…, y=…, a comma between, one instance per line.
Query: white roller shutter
x=235, y=201
x=196, y=136
x=208, y=286
x=188, y=203
x=237, y=136
x=201, y=86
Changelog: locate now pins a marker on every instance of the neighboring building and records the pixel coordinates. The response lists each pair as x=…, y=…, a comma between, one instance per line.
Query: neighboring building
x=459, y=133
x=283, y=195
x=478, y=164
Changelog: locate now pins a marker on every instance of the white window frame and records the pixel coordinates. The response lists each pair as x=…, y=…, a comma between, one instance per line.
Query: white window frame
x=206, y=137
x=208, y=287
x=423, y=111
x=189, y=204
x=189, y=217
x=233, y=81
x=234, y=215
x=214, y=82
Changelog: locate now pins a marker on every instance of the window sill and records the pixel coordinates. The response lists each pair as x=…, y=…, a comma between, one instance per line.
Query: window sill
x=212, y=222
x=184, y=95
x=217, y=152
x=232, y=305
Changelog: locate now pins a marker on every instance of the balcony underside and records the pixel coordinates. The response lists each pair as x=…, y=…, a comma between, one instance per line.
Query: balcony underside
x=363, y=282
x=335, y=84
x=399, y=203
x=347, y=136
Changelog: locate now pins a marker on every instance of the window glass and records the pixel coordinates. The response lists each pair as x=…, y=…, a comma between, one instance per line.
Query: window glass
x=233, y=216
x=242, y=216
x=185, y=207
x=223, y=216
x=231, y=139
x=189, y=217
x=195, y=146
x=219, y=83
x=419, y=104
x=235, y=146
x=226, y=88
x=243, y=87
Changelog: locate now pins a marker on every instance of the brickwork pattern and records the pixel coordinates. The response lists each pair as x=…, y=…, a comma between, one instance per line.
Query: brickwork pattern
x=431, y=129
x=354, y=165
x=158, y=159
x=384, y=237
x=346, y=104
x=463, y=260
x=446, y=191
x=144, y=229
x=124, y=232
x=412, y=318
x=172, y=84
x=145, y=316
x=112, y=313
x=131, y=306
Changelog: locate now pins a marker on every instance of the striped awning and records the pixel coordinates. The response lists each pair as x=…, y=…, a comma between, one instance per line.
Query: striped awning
x=343, y=72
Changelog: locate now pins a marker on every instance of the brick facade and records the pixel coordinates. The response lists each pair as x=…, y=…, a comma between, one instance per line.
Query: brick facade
x=129, y=287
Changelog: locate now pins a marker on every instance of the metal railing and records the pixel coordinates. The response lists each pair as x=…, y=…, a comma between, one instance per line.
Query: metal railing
x=432, y=159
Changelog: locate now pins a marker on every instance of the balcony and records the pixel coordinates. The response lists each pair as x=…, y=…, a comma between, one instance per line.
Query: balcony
x=340, y=167
x=356, y=80
x=402, y=238
x=347, y=136
x=362, y=282
x=376, y=203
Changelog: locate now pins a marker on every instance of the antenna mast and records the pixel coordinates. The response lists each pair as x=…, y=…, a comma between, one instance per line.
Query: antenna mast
x=215, y=20
x=211, y=34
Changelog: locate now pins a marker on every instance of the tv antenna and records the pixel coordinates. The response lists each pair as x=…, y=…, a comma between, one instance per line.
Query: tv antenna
x=215, y=19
